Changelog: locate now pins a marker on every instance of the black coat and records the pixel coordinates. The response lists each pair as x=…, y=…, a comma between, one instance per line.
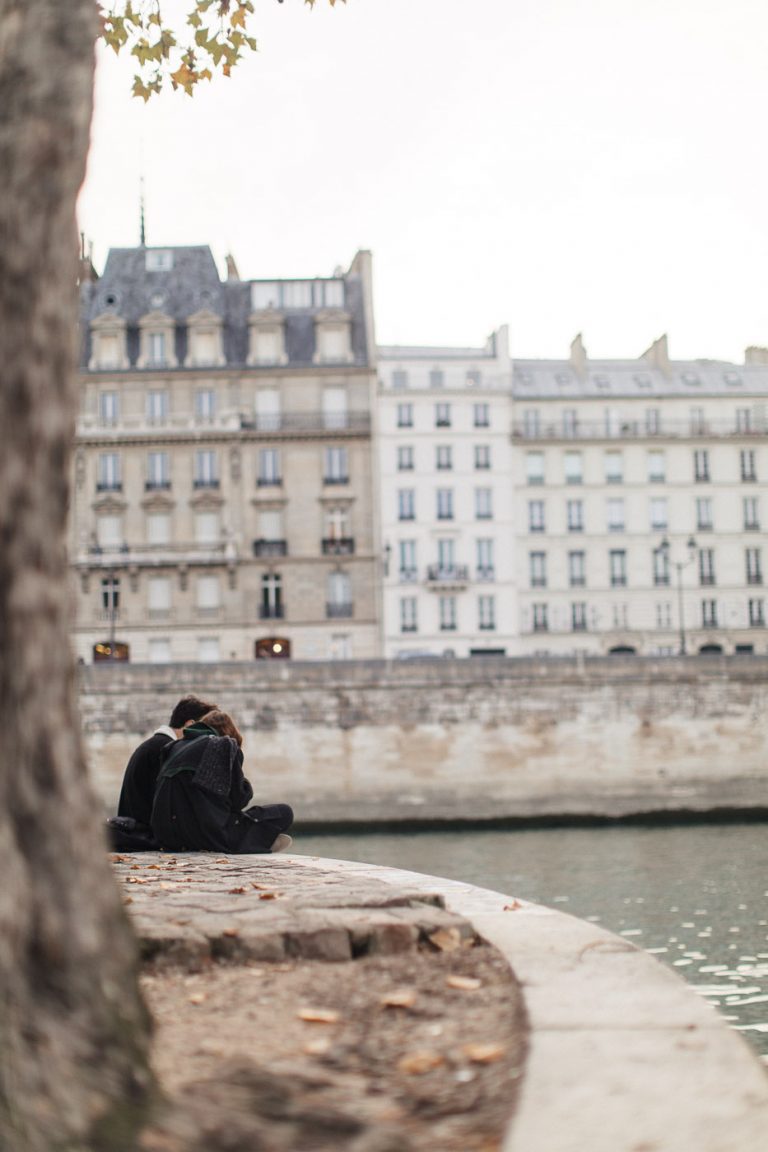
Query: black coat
x=138, y=791
x=200, y=794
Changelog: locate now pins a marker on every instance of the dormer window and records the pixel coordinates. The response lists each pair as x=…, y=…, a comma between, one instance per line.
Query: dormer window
x=156, y=341
x=204, y=346
x=332, y=338
x=108, y=349
x=158, y=260
x=156, y=346
x=267, y=339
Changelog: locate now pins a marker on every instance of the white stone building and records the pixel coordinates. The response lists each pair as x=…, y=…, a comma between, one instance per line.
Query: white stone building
x=445, y=465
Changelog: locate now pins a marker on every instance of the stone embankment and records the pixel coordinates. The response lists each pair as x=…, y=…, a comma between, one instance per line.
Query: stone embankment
x=371, y=741
x=314, y=1003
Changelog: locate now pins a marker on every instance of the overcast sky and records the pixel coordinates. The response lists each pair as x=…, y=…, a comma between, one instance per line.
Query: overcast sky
x=560, y=165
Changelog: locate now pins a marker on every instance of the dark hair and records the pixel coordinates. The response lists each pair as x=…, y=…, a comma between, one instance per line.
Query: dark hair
x=189, y=708
x=222, y=723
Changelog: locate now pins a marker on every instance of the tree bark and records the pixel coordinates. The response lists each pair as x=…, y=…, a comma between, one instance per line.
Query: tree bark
x=73, y=1029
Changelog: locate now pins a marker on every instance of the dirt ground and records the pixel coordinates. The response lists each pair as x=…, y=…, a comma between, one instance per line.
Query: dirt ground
x=419, y=1052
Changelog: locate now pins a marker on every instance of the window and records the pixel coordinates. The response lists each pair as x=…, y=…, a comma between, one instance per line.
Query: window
x=109, y=473
x=157, y=406
x=271, y=606
x=207, y=528
x=701, y=465
x=754, y=566
x=573, y=468
x=747, y=460
x=442, y=415
x=575, y=515
x=407, y=555
x=436, y=378
x=536, y=516
x=661, y=567
x=443, y=457
x=156, y=349
x=620, y=616
x=614, y=468
x=570, y=422
x=756, y=614
x=540, y=622
x=332, y=341
x=206, y=470
x=205, y=405
x=657, y=468
x=617, y=566
x=474, y=378
x=751, y=514
x=486, y=613
x=447, y=608
x=339, y=603
x=482, y=456
x=336, y=466
x=296, y=294
x=208, y=593
x=408, y=614
x=698, y=423
x=159, y=595
x=335, y=413
x=110, y=594
x=158, y=528
x=531, y=423
x=446, y=558
x=577, y=569
x=704, y=513
x=658, y=517
x=481, y=415
x=208, y=650
x=445, y=503
x=269, y=467
x=265, y=295
x=340, y=647
x=158, y=470
x=158, y=260
x=664, y=615
x=109, y=408
x=268, y=411
x=706, y=566
x=652, y=421
x=709, y=613
x=611, y=421
x=399, y=378
x=405, y=415
x=483, y=503
x=579, y=617
x=405, y=458
x=537, y=563
x=109, y=532
x=743, y=419
x=159, y=651
x=271, y=529
x=615, y=515
x=406, y=504
x=485, y=560
x=534, y=467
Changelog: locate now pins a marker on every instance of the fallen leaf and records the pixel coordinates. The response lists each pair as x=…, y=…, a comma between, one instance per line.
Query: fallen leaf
x=484, y=1053
x=513, y=907
x=236, y=891
x=135, y=867
x=222, y=860
x=136, y=880
x=417, y=1063
x=317, y=1047
x=399, y=998
x=231, y=932
x=197, y=998
x=255, y=885
x=318, y=1015
x=118, y=859
x=154, y=865
x=268, y=896
x=463, y=983
x=446, y=939
x=167, y=885
x=127, y=899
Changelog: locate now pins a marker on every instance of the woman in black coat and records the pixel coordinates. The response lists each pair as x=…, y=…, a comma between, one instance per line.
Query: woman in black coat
x=201, y=792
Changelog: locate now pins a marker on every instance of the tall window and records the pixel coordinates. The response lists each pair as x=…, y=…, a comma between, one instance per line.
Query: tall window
x=339, y=595
x=485, y=560
x=536, y=522
x=534, y=467
x=615, y=515
x=159, y=596
x=271, y=606
x=538, y=569
x=268, y=410
x=157, y=348
x=399, y=378
x=657, y=467
x=620, y=616
x=109, y=472
x=445, y=503
x=208, y=593
x=652, y=421
x=661, y=567
x=483, y=503
x=747, y=462
x=158, y=528
x=406, y=504
x=481, y=415
x=443, y=457
x=706, y=566
x=474, y=378
x=614, y=467
x=709, y=613
x=658, y=509
x=756, y=614
x=408, y=567
x=701, y=465
x=442, y=415
x=540, y=617
x=446, y=557
x=157, y=406
x=205, y=405
x=110, y=594
x=575, y=515
x=743, y=419
x=109, y=408
x=269, y=467
x=405, y=458
x=206, y=469
x=577, y=569
x=574, y=468
x=436, y=378
x=704, y=513
x=405, y=415
x=570, y=422
x=482, y=456
x=617, y=565
x=753, y=565
x=579, y=617
x=158, y=470
x=751, y=514
x=447, y=608
x=698, y=423
x=531, y=423
x=208, y=650
x=664, y=615
x=409, y=621
x=486, y=613
x=207, y=528
x=335, y=414
x=336, y=466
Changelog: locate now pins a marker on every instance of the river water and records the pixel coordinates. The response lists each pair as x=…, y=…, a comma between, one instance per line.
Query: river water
x=694, y=896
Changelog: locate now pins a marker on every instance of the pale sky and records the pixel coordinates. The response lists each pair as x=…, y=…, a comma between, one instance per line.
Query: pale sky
x=559, y=165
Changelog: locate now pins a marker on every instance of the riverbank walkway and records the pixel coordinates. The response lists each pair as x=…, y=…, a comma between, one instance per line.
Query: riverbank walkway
x=622, y=1055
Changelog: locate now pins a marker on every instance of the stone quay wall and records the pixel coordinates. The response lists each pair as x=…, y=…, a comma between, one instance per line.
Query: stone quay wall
x=476, y=739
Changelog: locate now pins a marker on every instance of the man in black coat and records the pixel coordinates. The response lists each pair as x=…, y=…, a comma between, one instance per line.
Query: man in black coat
x=138, y=790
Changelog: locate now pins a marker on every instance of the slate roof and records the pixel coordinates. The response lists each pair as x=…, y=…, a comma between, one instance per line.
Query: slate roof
x=687, y=379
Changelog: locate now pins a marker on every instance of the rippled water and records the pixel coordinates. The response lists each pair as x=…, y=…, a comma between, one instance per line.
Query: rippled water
x=695, y=897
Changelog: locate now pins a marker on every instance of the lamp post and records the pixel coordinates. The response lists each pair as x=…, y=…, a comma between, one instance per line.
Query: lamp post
x=664, y=549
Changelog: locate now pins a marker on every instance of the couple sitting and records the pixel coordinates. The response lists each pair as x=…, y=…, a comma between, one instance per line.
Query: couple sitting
x=184, y=790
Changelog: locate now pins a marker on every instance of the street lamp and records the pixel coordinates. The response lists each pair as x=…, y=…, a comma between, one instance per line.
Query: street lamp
x=664, y=549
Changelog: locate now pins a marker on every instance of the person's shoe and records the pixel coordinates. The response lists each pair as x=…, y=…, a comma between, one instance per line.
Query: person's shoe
x=281, y=843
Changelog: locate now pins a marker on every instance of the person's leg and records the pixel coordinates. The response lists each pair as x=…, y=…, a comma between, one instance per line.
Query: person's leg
x=274, y=819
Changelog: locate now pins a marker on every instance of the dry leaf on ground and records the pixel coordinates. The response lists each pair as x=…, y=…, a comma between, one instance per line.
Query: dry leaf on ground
x=484, y=1053
x=419, y=1062
x=446, y=939
x=463, y=983
x=399, y=998
x=319, y=1015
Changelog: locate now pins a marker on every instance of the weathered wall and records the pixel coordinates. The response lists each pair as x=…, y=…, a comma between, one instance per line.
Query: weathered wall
x=480, y=739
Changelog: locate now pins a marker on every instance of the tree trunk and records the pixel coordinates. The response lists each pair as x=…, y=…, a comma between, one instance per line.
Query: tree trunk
x=73, y=1030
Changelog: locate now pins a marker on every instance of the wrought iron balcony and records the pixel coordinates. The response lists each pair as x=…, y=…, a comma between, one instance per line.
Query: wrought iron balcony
x=339, y=611
x=271, y=611
x=270, y=547
x=337, y=546
x=446, y=575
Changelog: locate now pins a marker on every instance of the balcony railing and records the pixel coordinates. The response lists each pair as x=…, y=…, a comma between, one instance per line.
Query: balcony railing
x=448, y=573
x=636, y=430
x=408, y=575
x=271, y=611
x=207, y=483
x=307, y=422
x=269, y=481
x=109, y=486
x=270, y=547
x=337, y=546
x=157, y=485
x=339, y=611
